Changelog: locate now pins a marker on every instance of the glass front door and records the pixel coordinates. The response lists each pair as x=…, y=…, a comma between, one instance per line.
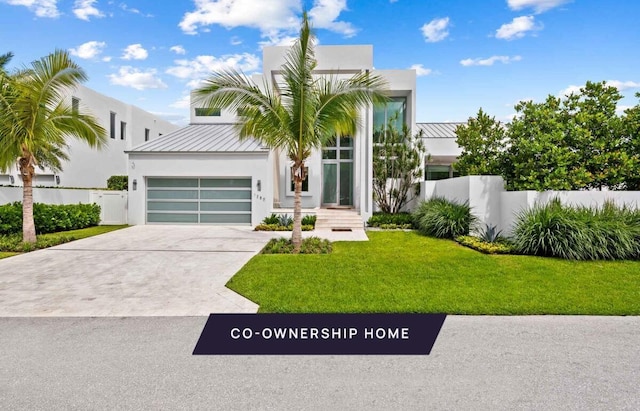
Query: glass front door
x=337, y=172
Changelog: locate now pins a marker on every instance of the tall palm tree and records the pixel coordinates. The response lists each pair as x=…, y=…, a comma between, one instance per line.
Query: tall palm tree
x=298, y=115
x=36, y=121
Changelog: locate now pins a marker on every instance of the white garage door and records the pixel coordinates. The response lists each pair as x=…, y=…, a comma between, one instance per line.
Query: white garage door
x=199, y=200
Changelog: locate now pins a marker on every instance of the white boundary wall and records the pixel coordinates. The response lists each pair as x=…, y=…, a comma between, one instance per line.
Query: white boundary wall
x=113, y=204
x=496, y=207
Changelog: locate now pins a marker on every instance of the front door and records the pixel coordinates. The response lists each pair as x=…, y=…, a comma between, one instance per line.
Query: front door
x=337, y=172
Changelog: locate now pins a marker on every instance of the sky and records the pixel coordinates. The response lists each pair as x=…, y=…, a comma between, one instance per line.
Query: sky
x=467, y=54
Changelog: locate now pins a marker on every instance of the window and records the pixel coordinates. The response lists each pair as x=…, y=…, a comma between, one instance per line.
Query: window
x=75, y=105
x=123, y=130
x=206, y=111
x=305, y=182
x=146, y=134
x=112, y=125
x=392, y=113
x=439, y=172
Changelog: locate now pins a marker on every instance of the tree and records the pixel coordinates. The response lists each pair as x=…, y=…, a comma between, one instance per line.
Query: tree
x=483, y=144
x=36, y=121
x=397, y=160
x=631, y=127
x=297, y=115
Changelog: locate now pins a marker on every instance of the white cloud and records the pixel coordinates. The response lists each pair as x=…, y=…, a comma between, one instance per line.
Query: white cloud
x=539, y=6
x=182, y=102
x=235, y=41
x=42, y=8
x=84, y=9
x=106, y=59
x=263, y=15
x=436, y=30
x=489, y=61
x=200, y=67
x=420, y=70
x=134, y=52
x=623, y=85
x=569, y=90
x=88, y=50
x=178, y=49
x=324, y=13
x=278, y=39
x=518, y=27
x=133, y=10
x=128, y=76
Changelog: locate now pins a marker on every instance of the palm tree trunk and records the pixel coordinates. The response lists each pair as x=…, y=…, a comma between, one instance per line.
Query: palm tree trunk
x=28, y=225
x=296, y=235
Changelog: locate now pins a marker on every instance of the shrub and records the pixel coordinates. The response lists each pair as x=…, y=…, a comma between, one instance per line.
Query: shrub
x=441, y=218
x=491, y=234
x=284, y=220
x=272, y=219
x=309, y=220
x=396, y=226
x=501, y=246
x=578, y=233
x=311, y=245
x=118, y=183
x=379, y=219
x=13, y=243
x=49, y=218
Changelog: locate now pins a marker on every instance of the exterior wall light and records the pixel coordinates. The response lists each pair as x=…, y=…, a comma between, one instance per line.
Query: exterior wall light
x=12, y=180
x=135, y=184
x=259, y=185
x=58, y=180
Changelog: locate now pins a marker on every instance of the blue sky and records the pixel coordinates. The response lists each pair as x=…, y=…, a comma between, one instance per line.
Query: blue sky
x=469, y=54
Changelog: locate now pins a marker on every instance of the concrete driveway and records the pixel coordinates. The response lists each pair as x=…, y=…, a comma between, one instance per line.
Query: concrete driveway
x=138, y=271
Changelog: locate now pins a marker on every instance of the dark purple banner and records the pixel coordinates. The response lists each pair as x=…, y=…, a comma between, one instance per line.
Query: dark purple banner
x=286, y=334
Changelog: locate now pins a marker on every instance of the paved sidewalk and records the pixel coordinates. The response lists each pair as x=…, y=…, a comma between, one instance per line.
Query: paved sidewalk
x=138, y=271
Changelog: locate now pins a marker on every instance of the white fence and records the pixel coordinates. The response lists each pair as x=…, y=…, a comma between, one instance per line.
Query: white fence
x=496, y=207
x=113, y=204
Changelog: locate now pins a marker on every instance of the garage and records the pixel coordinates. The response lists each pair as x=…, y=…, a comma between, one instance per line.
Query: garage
x=211, y=200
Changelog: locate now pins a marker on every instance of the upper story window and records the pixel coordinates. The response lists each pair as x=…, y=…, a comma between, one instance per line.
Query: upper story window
x=146, y=134
x=123, y=130
x=112, y=125
x=393, y=113
x=75, y=105
x=206, y=111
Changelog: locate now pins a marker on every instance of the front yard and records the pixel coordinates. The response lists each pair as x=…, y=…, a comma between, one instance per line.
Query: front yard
x=406, y=272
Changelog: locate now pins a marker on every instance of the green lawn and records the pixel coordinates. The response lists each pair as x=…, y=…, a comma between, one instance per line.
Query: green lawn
x=405, y=272
x=12, y=244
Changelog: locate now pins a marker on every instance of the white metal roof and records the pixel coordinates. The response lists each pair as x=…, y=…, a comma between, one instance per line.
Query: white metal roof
x=201, y=138
x=438, y=130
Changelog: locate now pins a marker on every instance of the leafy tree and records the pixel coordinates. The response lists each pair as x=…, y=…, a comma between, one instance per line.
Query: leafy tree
x=36, y=121
x=302, y=113
x=631, y=130
x=483, y=144
x=538, y=157
x=397, y=160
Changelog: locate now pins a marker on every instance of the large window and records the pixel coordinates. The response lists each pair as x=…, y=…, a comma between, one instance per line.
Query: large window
x=393, y=113
x=439, y=172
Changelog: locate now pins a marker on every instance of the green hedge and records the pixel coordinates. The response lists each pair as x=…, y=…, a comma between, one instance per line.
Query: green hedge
x=49, y=218
x=441, y=218
x=385, y=220
x=118, y=183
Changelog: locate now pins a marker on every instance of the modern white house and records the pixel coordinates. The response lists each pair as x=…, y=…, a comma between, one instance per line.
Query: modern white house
x=127, y=126
x=203, y=174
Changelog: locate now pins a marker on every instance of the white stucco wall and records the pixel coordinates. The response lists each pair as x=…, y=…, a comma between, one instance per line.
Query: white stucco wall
x=254, y=165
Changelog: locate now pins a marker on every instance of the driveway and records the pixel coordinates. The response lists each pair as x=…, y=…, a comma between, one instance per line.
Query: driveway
x=138, y=271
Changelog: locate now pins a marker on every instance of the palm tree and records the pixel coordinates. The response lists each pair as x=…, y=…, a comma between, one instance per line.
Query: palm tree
x=298, y=115
x=36, y=120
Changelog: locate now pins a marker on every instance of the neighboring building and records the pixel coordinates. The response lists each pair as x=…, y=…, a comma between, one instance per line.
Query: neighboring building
x=440, y=142
x=127, y=126
x=203, y=174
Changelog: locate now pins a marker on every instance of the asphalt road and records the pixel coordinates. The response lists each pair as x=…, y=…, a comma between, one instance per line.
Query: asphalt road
x=493, y=363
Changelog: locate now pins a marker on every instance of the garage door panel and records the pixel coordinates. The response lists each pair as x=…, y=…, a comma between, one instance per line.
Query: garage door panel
x=225, y=194
x=227, y=182
x=199, y=200
x=172, y=182
x=225, y=218
x=173, y=194
x=172, y=206
x=225, y=206
x=172, y=218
